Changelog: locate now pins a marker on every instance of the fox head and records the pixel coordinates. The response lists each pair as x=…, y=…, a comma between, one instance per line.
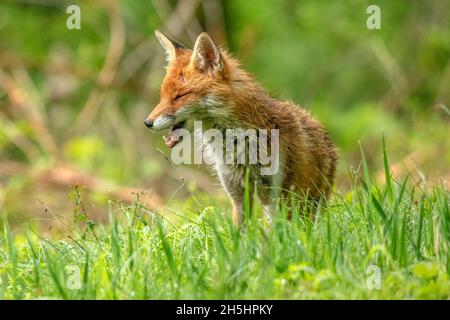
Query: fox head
x=194, y=85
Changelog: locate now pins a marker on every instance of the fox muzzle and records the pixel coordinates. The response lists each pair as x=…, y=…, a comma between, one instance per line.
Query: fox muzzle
x=160, y=123
x=148, y=123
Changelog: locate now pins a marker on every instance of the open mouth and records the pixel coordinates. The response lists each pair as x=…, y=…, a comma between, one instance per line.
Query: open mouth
x=174, y=135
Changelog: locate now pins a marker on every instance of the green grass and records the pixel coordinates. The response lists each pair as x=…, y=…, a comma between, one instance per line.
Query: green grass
x=397, y=231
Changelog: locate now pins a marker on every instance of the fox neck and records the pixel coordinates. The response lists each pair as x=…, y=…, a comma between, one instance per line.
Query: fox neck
x=246, y=107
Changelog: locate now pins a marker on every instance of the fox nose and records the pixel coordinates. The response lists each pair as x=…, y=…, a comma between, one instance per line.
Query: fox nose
x=148, y=123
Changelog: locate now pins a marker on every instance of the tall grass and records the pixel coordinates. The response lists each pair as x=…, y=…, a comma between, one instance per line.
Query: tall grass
x=399, y=230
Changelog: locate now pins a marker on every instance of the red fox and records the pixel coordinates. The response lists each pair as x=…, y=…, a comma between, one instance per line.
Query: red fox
x=206, y=84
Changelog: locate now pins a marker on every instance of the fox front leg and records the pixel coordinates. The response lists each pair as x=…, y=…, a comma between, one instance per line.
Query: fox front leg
x=237, y=213
x=233, y=181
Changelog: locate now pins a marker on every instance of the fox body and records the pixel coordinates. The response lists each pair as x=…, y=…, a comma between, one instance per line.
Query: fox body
x=207, y=84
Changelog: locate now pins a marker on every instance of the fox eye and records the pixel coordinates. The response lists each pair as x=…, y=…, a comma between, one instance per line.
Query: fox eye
x=180, y=95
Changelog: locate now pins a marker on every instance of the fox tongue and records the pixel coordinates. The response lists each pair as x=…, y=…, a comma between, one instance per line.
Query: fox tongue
x=173, y=139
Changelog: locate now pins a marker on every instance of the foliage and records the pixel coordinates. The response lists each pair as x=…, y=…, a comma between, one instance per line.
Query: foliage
x=402, y=232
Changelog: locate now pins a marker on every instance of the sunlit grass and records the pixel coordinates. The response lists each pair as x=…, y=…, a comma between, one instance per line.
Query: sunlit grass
x=397, y=231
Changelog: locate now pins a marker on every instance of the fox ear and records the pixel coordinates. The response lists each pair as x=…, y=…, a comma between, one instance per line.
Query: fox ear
x=169, y=45
x=206, y=56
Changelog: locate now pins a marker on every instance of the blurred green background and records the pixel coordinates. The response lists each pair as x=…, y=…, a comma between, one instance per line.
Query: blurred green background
x=73, y=102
